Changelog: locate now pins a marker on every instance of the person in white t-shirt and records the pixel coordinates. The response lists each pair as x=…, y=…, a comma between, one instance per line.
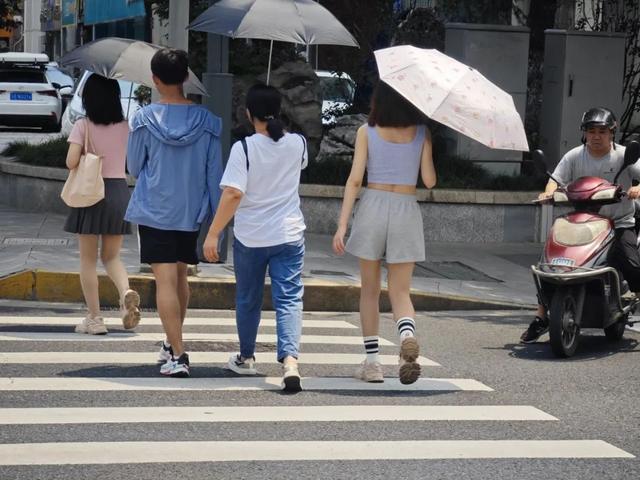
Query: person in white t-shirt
x=260, y=187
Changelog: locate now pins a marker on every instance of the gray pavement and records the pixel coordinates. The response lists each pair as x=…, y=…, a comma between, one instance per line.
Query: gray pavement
x=496, y=272
x=592, y=397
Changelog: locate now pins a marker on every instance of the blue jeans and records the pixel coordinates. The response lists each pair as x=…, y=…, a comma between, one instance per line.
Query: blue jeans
x=285, y=269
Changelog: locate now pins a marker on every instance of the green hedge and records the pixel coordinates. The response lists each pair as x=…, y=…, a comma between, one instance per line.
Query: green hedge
x=51, y=153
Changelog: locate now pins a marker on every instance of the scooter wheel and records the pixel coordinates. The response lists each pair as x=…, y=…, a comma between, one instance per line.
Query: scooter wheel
x=564, y=326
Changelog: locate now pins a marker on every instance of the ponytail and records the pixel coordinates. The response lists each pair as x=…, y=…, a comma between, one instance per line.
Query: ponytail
x=275, y=128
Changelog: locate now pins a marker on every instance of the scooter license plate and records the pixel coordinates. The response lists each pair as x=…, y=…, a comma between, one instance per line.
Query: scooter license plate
x=563, y=262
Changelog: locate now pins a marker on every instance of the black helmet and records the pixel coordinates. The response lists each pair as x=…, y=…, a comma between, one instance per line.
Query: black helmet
x=598, y=117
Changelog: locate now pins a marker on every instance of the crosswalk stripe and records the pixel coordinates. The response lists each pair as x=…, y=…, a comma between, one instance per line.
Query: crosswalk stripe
x=69, y=453
x=231, y=383
x=157, y=337
x=127, y=358
x=215, y=414
x=211, y=321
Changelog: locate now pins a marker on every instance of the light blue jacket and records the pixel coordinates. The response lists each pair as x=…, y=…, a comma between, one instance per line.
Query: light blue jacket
x=174, y=152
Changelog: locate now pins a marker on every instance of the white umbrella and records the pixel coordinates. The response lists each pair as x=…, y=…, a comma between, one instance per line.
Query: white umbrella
x=453, y=94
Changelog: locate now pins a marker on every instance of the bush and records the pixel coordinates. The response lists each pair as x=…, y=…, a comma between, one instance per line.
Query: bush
x=51, y=153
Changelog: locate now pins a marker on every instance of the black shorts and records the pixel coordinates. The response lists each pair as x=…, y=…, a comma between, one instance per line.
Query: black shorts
x=167, y=246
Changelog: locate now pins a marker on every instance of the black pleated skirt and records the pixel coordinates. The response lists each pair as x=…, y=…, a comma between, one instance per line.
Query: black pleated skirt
x=105, y=217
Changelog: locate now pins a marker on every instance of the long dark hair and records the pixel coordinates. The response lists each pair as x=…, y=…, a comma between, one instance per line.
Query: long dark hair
x=263, y=103
x=101, y=100
x=390, y=109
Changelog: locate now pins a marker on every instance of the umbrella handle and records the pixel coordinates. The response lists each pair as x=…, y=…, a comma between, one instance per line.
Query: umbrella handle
x=269, y=67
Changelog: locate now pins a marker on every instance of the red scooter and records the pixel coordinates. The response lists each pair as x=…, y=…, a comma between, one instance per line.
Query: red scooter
x=574, y=283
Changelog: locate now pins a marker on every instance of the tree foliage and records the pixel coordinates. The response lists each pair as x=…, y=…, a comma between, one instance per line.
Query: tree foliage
x=7, y=9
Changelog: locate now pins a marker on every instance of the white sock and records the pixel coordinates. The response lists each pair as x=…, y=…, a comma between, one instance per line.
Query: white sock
x=406, y=327
x=371, y=348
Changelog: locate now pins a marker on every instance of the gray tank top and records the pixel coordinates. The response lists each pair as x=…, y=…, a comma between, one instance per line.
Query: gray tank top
x=394, y=163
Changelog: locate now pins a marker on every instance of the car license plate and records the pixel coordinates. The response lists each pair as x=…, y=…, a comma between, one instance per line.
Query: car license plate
x=564, y=262
x=21, y=96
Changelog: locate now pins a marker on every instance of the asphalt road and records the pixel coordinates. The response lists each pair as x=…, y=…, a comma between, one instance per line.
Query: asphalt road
x=592, y=398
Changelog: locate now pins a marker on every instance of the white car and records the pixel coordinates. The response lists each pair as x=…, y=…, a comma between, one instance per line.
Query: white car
x=338, y=90
x=27, y=97
x=75, y=110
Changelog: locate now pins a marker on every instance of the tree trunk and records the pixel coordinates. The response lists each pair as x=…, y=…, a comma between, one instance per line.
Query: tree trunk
x=565, y=18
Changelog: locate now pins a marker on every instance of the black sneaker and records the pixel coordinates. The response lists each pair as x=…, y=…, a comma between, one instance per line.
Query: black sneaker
x=538, y=327
x=176, y=367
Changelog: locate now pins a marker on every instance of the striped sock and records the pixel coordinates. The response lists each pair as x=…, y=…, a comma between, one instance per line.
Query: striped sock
x=371, y=347
x=406, y=327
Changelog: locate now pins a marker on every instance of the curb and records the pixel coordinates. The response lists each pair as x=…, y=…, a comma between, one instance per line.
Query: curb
x=219, y=293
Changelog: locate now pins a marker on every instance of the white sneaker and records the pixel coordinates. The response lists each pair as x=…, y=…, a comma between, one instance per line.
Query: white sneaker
x=92, y=326
x=176, y=367
x=242, y=367
x=291, y=379
x=130, y=307
x=369, y=372
x=166, y=353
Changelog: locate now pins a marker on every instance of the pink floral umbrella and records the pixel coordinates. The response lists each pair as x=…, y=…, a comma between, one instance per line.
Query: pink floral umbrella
x=453, y=94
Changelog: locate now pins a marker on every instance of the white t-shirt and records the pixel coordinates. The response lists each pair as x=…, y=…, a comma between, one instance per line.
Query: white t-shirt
x=269, y=213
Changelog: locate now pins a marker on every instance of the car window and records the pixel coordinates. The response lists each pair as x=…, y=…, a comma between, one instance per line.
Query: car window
x=337, y=89
x=22, y=76
x=127, y=89
x=55, y=75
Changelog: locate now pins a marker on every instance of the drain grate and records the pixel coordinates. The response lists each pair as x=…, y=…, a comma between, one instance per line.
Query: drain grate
x=452, y=271
x=37, y=242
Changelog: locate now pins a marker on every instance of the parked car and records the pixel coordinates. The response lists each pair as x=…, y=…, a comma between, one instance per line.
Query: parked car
x=27, y=97
x=75, y=110
x=56, y=75
x=338, y=90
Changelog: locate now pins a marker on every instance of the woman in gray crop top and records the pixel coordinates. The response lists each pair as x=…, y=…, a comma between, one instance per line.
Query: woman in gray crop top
x=393, y=148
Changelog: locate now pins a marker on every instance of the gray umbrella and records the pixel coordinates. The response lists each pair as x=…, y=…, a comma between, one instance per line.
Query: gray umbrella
x=296, y=21
x=124, y=59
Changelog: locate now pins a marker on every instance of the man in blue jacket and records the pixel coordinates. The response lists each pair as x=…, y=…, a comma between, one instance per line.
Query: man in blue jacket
x=174, y=152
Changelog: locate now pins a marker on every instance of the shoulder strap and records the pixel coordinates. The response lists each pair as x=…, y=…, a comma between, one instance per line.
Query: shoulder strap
x=246, y=151
x=304, y=146
x=88, y=144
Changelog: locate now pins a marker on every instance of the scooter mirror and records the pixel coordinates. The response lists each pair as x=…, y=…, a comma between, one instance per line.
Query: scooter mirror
x=632, y=153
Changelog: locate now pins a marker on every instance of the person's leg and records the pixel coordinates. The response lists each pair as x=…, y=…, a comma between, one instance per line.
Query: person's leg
x=168, y=303
x=370, y=370
x=538, y=326
x=184, y=292
x=399, y=287
x=250, y=266
x=129, y=299
x=285, y=270
x=88, y=245
x=93, y=324
x=625, y=257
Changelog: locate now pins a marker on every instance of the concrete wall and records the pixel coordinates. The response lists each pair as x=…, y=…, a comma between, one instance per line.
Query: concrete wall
x=581, y=70
x=448, y=215
x=501, y=54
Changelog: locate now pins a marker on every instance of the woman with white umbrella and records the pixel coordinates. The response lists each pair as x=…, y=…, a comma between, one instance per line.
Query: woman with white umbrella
x=393, y=148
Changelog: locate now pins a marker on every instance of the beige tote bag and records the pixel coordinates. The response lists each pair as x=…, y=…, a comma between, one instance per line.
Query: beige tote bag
x=85, y=186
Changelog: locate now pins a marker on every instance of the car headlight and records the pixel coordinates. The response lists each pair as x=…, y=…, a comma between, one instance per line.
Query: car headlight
x=560, y=197
x=608, y=194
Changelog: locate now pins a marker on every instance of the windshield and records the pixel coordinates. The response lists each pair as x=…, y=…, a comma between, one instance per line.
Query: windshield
x=127, y=89
x=56, y=76
x=336, y=89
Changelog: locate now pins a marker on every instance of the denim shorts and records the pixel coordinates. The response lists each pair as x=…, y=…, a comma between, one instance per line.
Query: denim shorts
x=387, y=225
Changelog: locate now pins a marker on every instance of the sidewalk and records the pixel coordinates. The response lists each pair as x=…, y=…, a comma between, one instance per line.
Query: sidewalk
x=495, y=274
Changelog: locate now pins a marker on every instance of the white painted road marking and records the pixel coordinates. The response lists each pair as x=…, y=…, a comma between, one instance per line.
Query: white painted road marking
x=215, y=414
x=232, y=383
x=128, y=358
x=83, y=453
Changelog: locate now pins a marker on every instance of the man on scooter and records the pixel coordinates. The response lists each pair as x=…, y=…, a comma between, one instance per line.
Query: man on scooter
x=599, y=156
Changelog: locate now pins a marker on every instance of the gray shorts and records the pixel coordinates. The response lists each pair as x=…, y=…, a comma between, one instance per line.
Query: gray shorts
x=387, y=225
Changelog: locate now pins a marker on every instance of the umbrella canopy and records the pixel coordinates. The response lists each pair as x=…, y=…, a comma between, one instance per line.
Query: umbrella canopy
x=295, y=21
x=453, y=94
x=123, y=58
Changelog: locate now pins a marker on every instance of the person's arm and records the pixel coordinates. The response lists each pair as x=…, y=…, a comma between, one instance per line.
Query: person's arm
x=234, y=183
x=352, y=188
x=76, y=144
x=548, y=190
x=427, y=170
x=136, y=152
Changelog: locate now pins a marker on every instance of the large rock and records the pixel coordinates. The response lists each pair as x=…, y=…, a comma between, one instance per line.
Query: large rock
x=339, y=142
x=301, y=101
